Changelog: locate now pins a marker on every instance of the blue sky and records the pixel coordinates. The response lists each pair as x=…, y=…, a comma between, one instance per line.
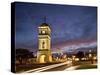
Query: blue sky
x=67, y=22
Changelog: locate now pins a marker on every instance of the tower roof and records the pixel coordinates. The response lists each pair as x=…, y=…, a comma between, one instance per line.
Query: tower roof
x=44, y=24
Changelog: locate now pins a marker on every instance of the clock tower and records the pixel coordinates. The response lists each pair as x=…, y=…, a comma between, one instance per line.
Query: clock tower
x=44, y=52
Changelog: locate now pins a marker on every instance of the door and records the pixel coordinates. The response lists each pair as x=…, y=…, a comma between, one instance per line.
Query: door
x=42, y=59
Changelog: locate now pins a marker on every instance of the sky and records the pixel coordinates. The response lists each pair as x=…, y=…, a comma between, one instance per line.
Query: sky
x=71, y=26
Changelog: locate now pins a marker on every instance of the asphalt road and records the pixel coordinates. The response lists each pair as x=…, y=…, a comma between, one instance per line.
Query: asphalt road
x=60, y=68
x=54, y=67
x=63, y=67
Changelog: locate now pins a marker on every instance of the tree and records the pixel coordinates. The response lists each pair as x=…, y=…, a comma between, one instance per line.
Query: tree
x=23, y=54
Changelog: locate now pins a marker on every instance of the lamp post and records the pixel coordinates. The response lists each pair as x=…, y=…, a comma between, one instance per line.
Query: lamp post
x=73, y=58
x=90, y=56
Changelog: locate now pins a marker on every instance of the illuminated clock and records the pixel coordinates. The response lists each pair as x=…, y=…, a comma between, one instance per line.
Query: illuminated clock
x=43, y=32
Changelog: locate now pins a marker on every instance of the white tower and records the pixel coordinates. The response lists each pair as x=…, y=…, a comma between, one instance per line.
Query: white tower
x=44, y=52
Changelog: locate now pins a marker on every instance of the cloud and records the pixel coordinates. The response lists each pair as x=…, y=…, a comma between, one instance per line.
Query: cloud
x=74, y=44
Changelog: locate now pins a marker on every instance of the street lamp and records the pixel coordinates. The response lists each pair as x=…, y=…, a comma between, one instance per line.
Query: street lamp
x=90, y=55
x=73, y=57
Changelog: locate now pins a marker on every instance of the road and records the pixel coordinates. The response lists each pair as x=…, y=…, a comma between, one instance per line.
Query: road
x=62, y=67
x=54, y=67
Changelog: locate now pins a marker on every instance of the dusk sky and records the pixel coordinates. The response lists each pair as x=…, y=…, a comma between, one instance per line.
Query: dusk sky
x=71, y=26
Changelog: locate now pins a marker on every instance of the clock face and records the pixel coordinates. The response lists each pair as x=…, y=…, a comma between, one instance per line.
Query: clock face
x=43, y=32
